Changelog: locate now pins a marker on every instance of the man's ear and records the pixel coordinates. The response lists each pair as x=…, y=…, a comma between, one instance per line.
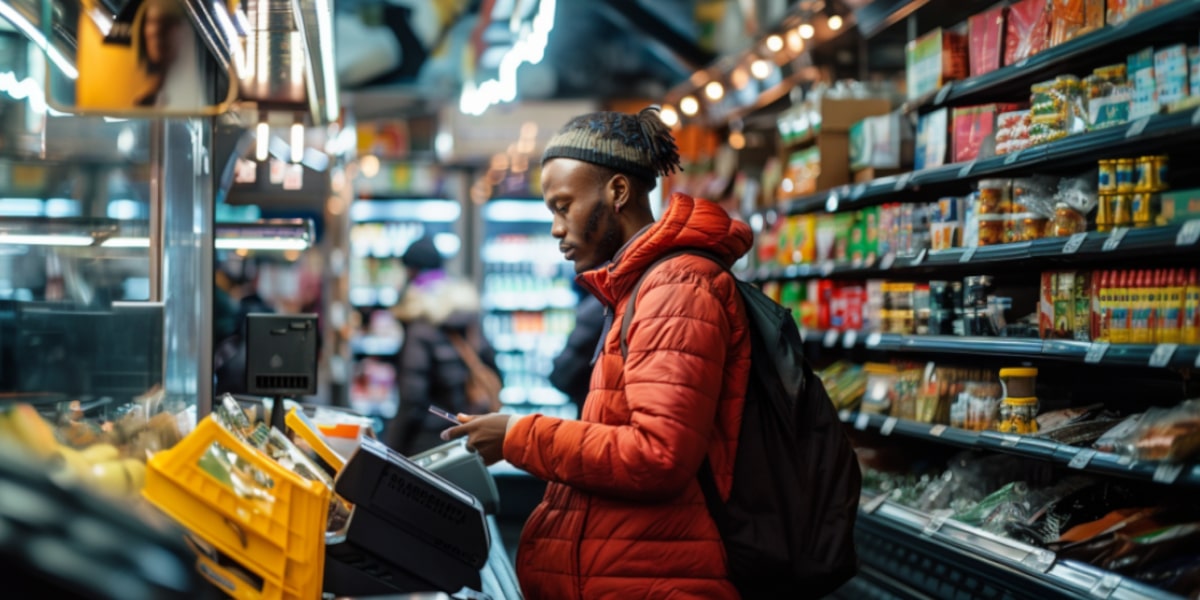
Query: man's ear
x=619, y=191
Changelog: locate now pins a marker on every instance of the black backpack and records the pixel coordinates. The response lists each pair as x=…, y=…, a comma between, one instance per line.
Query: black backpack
x=788, y=526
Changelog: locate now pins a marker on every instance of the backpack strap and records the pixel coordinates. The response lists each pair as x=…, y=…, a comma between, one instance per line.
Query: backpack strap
x=630, y=308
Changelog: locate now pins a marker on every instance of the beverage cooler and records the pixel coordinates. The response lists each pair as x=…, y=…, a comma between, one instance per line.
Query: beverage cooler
x=529, y=300
x=380, y=232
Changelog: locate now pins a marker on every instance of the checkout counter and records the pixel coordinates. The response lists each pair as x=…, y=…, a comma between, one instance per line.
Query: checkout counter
x=374, y=525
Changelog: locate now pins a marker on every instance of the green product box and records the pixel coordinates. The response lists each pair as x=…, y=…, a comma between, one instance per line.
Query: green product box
x=1179, y=206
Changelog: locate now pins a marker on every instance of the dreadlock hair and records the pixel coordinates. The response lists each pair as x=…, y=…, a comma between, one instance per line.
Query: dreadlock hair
x=639, y=146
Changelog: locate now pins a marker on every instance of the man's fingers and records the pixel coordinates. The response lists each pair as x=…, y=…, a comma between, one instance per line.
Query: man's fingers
x=454, y=432
x=464, y=418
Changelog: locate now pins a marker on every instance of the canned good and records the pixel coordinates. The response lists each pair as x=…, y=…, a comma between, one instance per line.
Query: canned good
x=1108, y=176
x=1151, y=172
x=1122, y=210
x=1125, y=175
x=1160, y=168
x=1104, y=212
x=1143, y=208
x=1143, y=180
x=976, y=290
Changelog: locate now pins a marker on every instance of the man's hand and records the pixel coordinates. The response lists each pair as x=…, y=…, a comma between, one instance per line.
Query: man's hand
x=485, y=433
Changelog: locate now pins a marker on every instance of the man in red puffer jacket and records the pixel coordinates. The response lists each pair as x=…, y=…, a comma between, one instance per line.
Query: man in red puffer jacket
x=624, y=515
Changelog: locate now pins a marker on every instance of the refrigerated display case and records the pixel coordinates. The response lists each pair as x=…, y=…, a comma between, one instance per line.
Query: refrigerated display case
x=380, y=232
x=528, y=301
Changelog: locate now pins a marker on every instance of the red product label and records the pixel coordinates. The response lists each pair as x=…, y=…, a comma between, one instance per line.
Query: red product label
x=985, y=31
x=1027, y=30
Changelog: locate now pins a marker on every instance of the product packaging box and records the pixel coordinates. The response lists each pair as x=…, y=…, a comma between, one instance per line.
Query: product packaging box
x=1115, y=12
x=826, y=162
x=1027, y=30
x=1072, y=18
x=881, y=142
x=1194, y=71
x=932, y=142
x=1145, y=92
x=934, y=59
x=1171, y=74
x=1081, y=313
x=1012, y=131
x=1179, y=206
x=974, y=131
x=1046, y=293
x=986, y=40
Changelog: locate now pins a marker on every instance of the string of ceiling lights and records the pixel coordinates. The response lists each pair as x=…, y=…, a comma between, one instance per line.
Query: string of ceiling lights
x=752, y=73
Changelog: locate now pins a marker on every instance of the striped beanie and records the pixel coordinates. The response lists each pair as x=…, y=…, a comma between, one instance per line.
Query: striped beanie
x=639, y=145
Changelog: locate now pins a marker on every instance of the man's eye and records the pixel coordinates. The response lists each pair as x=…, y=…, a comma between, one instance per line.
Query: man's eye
x=561, y=209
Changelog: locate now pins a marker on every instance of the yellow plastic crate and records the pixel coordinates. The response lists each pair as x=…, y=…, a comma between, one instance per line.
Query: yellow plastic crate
x=281, y=541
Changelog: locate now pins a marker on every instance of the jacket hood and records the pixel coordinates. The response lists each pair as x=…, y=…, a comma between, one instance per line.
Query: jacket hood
x=444, y=302
x=687, y=223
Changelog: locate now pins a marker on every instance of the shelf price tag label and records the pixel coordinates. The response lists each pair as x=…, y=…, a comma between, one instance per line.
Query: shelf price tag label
x=935, y=523
x=849, y=339
x=937, y=430
x=885, y=263
x=902, y=182
x=831, y=203
x=1167, y=472
x=858, y=191
x=1137, y=127
x=862, y=421
x=844, y=415
x=827, y=268
x=943, y=94
x=920, y=257
x=1012, y=157
x=1197, y=363
x=1162, y=355
x=1195, y=115
x=1189, y=234
x=1009, y=441
x=889, y=425
x=831, y=337
x=965, y=171
x=1082, y=459
x=968, y=254
x=876, y=337
x=1108, y=584
x=1095, y=352
x=1073, y=243
x=873, y=505
x=1114, y=238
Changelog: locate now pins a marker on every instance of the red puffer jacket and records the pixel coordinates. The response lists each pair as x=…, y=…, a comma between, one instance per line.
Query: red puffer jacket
x=624, y=516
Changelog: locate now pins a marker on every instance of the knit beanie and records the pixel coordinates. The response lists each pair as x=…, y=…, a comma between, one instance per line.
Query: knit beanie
x=639, y=145
x=422, y=255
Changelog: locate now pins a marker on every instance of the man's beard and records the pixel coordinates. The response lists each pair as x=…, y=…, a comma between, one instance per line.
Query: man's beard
x=602, y=227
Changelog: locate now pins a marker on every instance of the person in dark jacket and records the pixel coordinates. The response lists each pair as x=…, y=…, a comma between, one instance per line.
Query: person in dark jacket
x=572, y=374
x=433, y=307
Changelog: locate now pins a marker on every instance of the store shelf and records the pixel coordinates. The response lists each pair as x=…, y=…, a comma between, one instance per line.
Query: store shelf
x=1110, y=246
x=1098, y=353
x=1001, y=557
x=375, y=345
x=1084, y=459
x=1056, y=60
x=1081, y=148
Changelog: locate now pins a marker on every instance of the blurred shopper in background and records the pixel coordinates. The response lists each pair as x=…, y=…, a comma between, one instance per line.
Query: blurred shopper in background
x=572, y=373
x=235, y=295
x=445, y=356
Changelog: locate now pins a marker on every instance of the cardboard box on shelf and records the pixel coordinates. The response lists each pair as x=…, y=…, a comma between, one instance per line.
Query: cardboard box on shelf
x=1140, y=71
x=986, y=40
x=824, y=162
x=933, y=59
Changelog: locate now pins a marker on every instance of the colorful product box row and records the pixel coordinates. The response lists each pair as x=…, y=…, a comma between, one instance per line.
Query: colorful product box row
x=1131, y=306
